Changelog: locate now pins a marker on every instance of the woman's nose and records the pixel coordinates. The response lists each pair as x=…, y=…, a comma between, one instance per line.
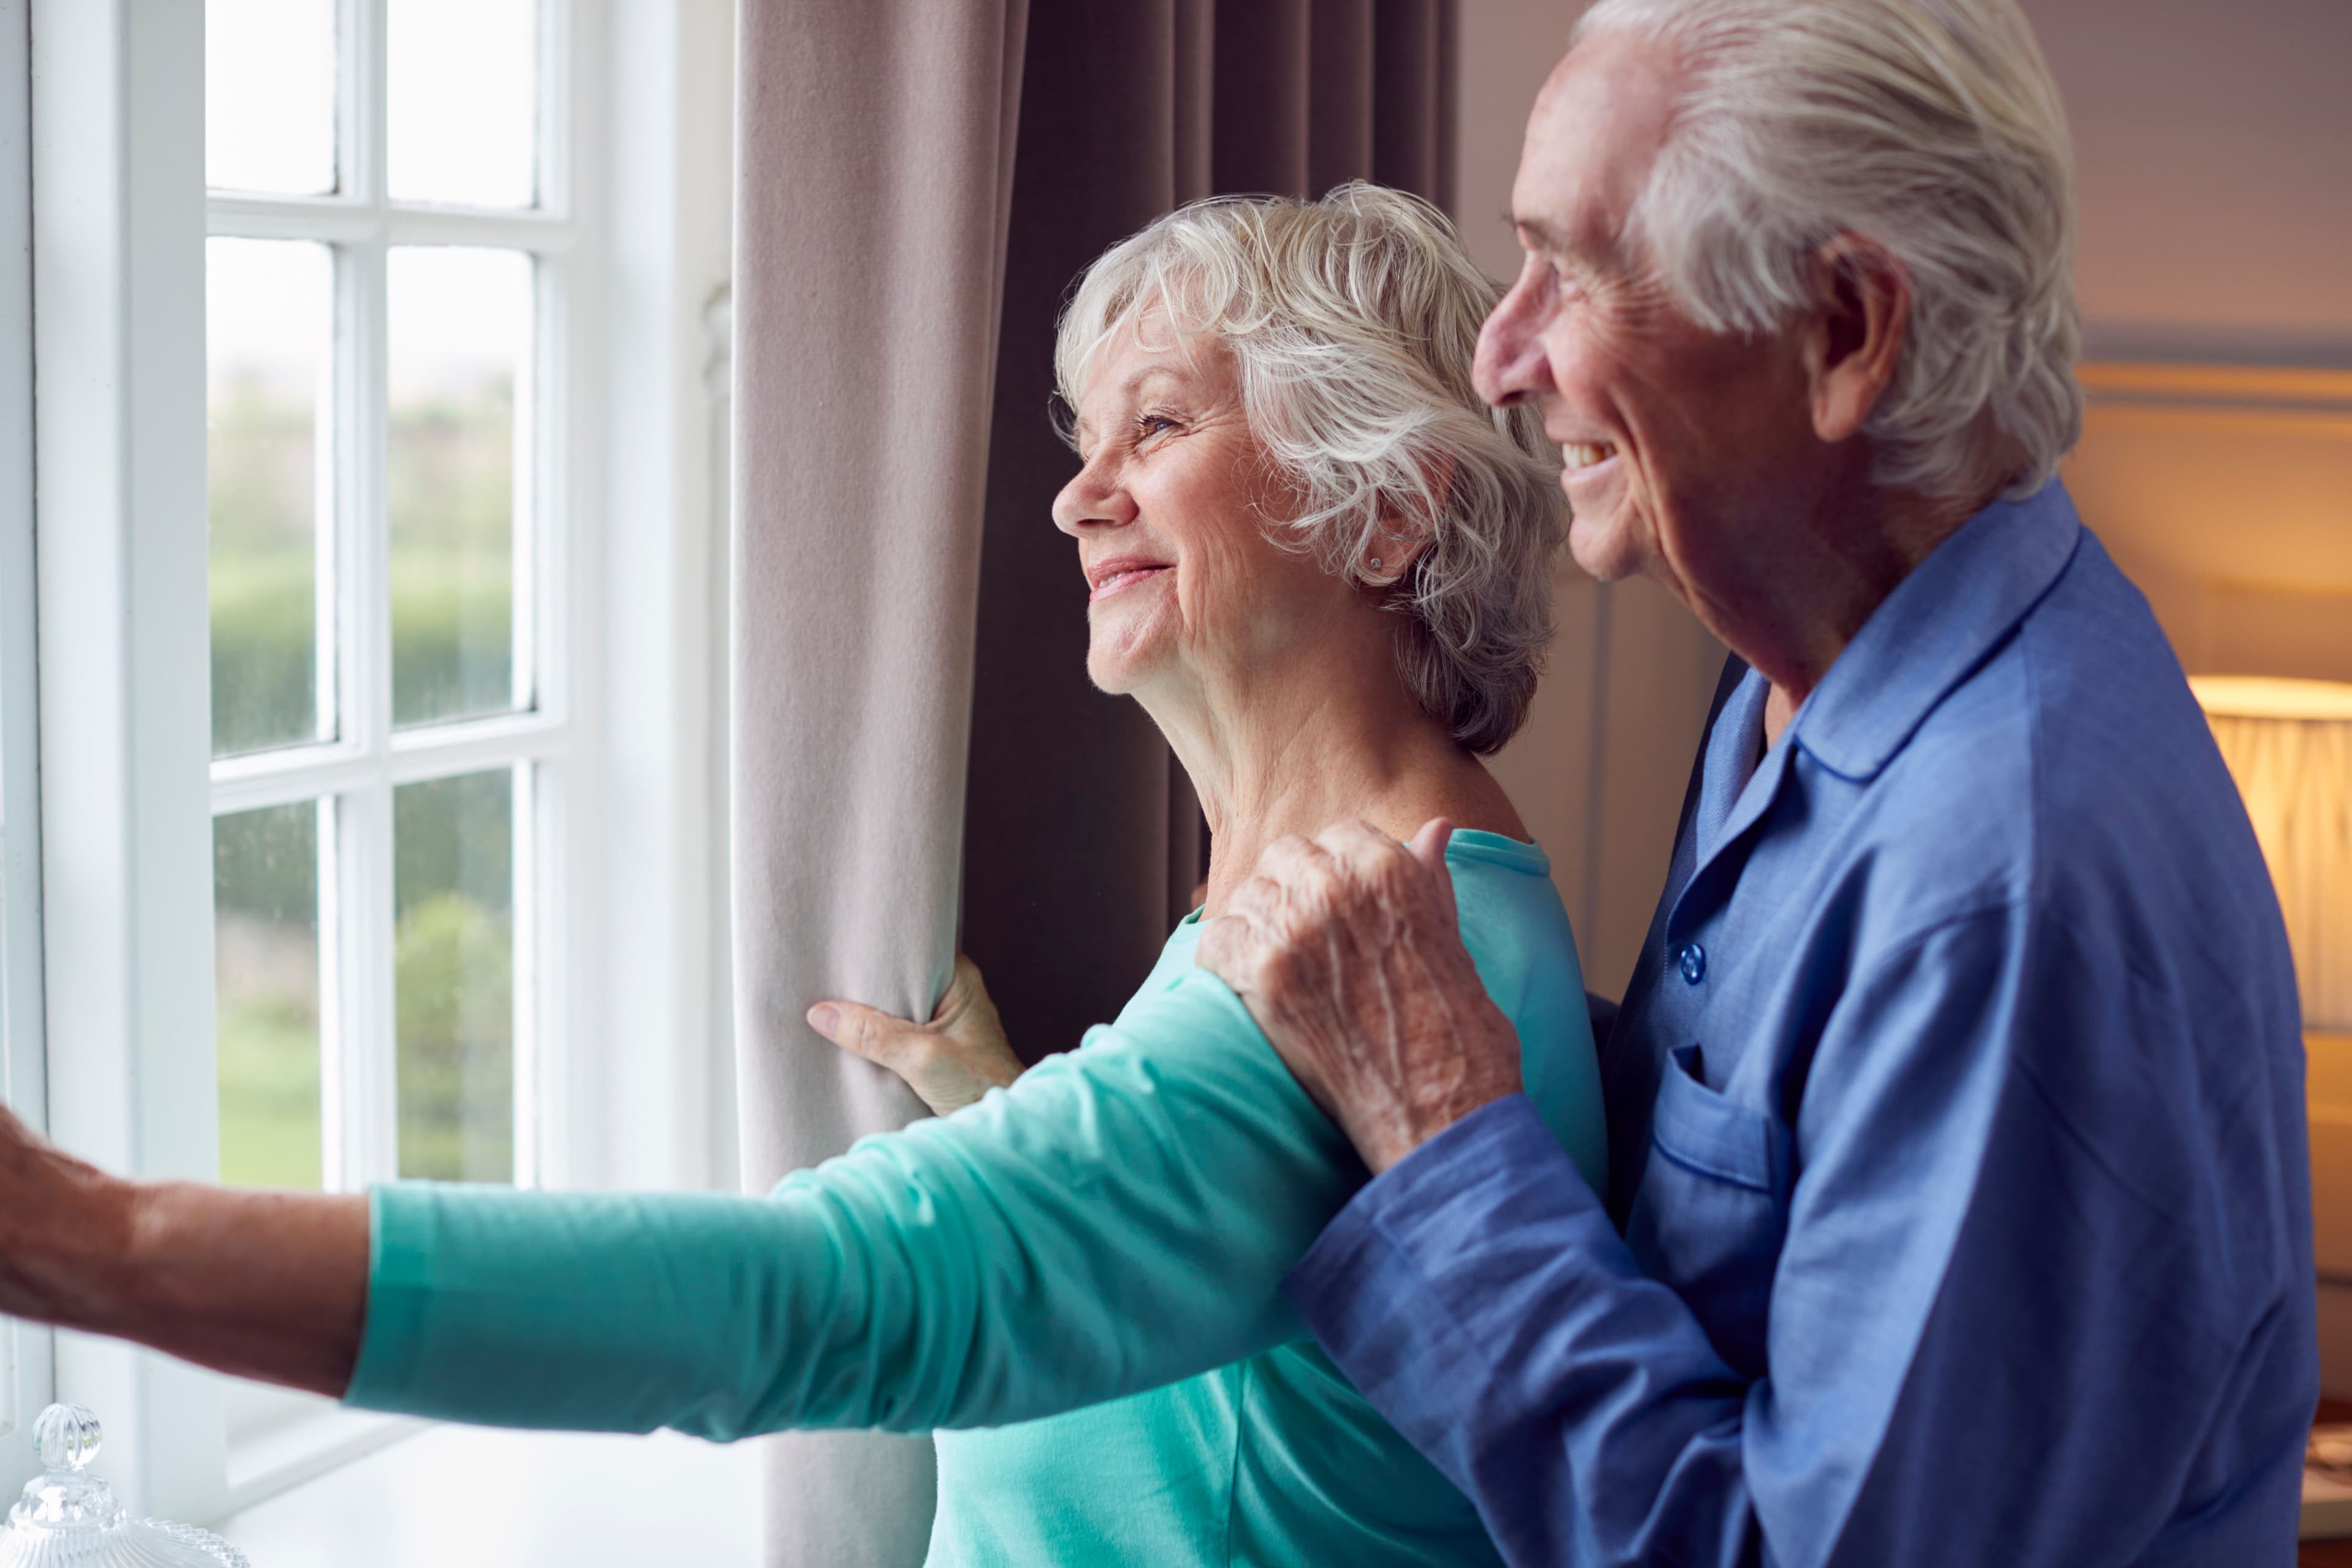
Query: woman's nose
x=1511, y=364
x=1095, y=496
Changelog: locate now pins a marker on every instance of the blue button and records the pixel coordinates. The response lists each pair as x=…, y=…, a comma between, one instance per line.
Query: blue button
x=1692, y=961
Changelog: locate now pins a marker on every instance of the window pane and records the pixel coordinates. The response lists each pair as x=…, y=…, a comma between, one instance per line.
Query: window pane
x=266, y=995
x=269, y=96
x=459, y=350
x=463, y=101
x=270, y=325
x=453, y=887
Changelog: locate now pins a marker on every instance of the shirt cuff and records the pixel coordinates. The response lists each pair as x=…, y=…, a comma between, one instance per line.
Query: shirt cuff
x=401, y=1234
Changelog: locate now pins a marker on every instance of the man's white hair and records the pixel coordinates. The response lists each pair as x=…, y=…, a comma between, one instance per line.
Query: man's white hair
x=1355, y=321
x=1931, y=128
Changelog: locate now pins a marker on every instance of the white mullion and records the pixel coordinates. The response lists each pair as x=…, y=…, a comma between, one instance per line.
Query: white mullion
x=529, y=509
x=523, y=944
x=334, y=1079
x=372, y=1057
x=339, y=222
x=544, y=530
x=553, y=177
x=367, y=1059
x=358, y=128
x=289, y=217
x=496, y=745
x=411, y=223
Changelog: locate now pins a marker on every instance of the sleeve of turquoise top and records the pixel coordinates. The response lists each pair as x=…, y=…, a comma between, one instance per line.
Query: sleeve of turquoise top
x=1121, y=1217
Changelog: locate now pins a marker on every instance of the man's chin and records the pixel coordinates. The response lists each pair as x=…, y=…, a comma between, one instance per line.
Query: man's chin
x=1608, y=548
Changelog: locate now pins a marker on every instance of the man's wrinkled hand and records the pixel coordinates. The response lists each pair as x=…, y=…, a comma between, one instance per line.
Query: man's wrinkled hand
x=1347, y=951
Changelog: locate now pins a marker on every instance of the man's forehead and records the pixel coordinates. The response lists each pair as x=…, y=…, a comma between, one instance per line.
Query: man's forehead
x=1596, y=129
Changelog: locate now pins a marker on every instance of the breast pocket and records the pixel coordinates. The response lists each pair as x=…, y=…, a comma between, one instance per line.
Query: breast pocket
x=1713, y=1209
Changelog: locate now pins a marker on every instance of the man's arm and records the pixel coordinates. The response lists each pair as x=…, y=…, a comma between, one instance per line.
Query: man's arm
x=1970, y=1306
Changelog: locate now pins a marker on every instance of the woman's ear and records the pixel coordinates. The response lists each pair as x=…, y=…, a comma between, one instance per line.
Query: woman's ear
x=1392, y=550
x=1861, y=320
x=1389, y=555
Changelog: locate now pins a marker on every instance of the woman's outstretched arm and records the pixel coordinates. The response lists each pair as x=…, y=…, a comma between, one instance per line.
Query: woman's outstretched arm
x=263, y=1285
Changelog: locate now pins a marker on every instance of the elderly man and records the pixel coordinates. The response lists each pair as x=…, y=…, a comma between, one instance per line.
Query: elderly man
x=1959, y=1206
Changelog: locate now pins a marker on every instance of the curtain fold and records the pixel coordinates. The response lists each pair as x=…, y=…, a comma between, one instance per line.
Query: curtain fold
x=876, y=141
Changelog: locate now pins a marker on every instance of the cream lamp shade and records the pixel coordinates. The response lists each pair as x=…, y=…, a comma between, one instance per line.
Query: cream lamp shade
x=2289, y=746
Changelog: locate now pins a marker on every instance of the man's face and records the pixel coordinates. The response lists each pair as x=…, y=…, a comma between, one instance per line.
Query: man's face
x=1676, y=440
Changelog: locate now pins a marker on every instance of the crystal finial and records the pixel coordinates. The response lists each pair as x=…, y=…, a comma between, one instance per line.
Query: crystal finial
x=68, y=1437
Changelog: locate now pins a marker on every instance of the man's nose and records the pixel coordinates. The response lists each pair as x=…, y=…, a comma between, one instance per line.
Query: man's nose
x=1511, y=364
x=1094, y=495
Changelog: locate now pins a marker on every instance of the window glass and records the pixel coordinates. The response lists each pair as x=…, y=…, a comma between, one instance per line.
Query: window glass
x=266, y=995
x=269, y=320
x=460, y=329
x=453, y=846
x=463, y=101
x=269, y=96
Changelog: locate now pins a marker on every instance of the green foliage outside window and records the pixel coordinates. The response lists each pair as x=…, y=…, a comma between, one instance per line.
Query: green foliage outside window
x=450, y=486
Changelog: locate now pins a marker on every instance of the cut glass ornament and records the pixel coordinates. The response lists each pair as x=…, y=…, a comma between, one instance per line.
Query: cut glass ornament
x=68, y=1518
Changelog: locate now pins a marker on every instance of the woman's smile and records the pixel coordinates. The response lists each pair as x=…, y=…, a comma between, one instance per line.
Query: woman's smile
x=1119, y=574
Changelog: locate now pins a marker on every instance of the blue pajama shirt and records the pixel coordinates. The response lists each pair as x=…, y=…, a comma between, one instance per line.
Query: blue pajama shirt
x=1955, y=1120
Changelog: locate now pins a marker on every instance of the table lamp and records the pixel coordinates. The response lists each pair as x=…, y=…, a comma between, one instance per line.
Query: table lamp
x=2289, y=746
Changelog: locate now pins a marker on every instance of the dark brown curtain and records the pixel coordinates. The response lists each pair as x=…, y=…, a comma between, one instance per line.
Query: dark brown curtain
x=1082, y=840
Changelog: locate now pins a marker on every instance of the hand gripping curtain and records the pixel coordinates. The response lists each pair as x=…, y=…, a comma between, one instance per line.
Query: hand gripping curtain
x=874, y=166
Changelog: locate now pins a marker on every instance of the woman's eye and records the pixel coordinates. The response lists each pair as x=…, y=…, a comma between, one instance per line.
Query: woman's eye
x=1153, y=424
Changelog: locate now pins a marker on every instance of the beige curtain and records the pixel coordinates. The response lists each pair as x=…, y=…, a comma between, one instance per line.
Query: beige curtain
x=877, y=145
x=901, y=592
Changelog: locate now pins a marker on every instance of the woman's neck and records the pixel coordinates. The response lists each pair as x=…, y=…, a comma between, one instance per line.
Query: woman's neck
x=1293, y=752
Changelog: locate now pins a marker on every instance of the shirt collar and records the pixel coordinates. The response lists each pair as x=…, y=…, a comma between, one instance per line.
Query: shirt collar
x=1937, y=626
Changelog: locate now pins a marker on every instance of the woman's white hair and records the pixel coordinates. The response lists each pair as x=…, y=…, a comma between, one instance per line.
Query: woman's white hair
x=1929, y=127
x=1354, y=320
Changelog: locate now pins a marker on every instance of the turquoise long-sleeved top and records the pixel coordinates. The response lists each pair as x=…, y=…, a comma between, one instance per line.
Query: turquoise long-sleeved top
x=1113, y=1228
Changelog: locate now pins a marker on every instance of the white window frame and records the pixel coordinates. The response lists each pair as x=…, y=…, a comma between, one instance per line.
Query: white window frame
x=25, y=1350
x=358, y=769
x=626, y=738
x=354, y=774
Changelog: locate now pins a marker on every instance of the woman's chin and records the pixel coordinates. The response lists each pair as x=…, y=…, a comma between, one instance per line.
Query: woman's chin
x=1112, y=676
x=1119, y=666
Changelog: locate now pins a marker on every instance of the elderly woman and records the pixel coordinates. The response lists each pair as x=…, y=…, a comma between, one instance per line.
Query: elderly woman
x=1320, y=564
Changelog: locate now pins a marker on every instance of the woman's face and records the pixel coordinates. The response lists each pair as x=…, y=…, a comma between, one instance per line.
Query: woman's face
x=1171, y=511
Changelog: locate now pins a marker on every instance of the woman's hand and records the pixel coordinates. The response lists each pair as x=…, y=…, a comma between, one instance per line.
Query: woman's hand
x=951, y=1062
